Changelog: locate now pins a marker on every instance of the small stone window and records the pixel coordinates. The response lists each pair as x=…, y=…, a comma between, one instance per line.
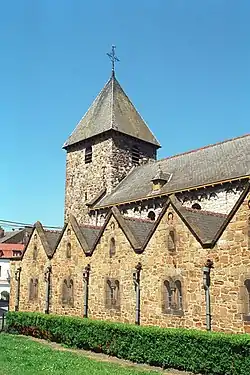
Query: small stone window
x=170, y=217
x=112, y=294
x=68, y=292
x=196, y=206
x=135, y=155
x=35, y=253
x=172, y=297
x=68, y=232
x=68, y=250
x=33, y=289
x=88, y=155
x=151, y=215
x=35, y=237
x=171, y=240
x=112, y=247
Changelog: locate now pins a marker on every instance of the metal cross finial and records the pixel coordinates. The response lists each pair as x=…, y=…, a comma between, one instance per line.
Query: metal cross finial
x=113, y=59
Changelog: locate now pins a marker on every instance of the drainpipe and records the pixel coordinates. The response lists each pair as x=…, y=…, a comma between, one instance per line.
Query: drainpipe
x=17, y=278
x=86, y=290
x=206, y=285
x=136, y=279
x=47, y=280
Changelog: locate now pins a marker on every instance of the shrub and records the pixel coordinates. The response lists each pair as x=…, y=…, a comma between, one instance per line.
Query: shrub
x=208, y=353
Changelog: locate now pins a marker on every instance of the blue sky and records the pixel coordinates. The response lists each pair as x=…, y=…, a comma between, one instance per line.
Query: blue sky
x=184, y=64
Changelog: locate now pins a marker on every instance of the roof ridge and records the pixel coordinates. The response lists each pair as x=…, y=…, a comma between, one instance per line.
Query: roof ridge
x=205, y=212
x=204, y=147
x=53, y=230
x=138, y=219
x=90, y=226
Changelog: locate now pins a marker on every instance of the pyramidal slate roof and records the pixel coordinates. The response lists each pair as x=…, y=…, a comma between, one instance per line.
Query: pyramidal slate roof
x=216, y=163
x=111, y=110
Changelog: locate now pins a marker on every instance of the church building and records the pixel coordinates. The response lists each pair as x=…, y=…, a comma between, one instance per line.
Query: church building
x=153, y=242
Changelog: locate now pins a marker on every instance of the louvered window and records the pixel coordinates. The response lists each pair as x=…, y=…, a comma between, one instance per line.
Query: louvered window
x=135, y=155
x=88, y=155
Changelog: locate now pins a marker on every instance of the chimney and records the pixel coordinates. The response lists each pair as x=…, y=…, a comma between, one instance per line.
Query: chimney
x=1, y=232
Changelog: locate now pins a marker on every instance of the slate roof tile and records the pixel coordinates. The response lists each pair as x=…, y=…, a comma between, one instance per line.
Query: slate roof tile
x=111, y=110
x=215, y=163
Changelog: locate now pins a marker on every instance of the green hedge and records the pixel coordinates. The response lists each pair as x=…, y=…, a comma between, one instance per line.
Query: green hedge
x=190, y=350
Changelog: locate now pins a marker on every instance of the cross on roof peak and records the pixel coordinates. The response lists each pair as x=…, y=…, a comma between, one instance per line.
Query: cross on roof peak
x=113, y=59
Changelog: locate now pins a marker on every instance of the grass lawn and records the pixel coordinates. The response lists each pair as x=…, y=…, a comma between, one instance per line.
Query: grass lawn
x=22, y=356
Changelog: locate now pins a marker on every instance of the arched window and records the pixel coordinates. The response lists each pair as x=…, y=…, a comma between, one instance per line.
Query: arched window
x=71, y=293
x=170, y=217
x=151, y=215
x=35, y=288
x=68, y=250
x=112, y=247
x=196, y=206
x=135, y=155
x=65, y=292
x=167, y=296
x=88, y=155
x=178, y=295
x=109, y=294
x=116, y=296
x=35, y=252
x=247, y=285
x=112, y=293
x=31, y=290
x=68, y=292
x=171, y=240
x=68, y=232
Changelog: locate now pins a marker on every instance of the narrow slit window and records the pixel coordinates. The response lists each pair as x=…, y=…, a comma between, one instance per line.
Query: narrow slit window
x=68, y=251
x=35, y=252
x=112, y=247
x=171, y=240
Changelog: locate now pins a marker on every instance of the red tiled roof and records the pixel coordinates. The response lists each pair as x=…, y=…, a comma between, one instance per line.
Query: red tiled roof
x=8, y=250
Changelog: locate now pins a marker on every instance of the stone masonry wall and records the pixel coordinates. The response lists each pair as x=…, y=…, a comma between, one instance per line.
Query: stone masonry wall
x=33, y=269
x=85, y=181
x=111, y=161
x=63, y=268
x=231, y=258
x=216, y=199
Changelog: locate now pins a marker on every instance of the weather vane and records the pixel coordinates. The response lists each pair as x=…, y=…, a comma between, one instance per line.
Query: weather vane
x=113, y=59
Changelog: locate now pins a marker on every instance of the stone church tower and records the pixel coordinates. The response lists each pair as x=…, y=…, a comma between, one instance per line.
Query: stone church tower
x=108, y=141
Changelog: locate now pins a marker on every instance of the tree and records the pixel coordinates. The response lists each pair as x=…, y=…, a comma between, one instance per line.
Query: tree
x=5, y=295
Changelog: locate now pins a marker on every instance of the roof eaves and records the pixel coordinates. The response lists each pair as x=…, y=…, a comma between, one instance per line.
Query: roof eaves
x=172, y=192
x=42, y=235
x=79, y=234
